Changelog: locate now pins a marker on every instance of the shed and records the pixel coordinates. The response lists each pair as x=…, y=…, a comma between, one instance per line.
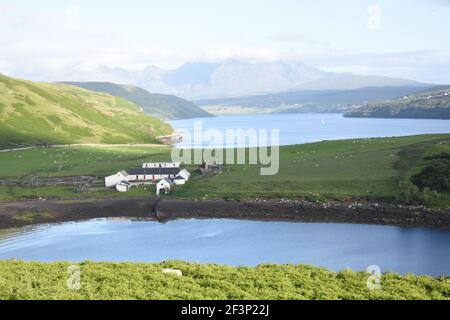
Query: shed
x=123, y=186
x=163, y=186
x=113, y=180
x=184, y=174
x=178, y=180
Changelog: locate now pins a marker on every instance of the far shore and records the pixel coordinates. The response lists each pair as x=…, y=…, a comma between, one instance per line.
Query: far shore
x=32, y=212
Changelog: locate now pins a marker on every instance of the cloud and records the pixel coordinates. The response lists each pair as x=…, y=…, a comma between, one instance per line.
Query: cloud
x=430, y=66
x=373, y=18
x=292, y=37
x=73, y=20
x=442, y=2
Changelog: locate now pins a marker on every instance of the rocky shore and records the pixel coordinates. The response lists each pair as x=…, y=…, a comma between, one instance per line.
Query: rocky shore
x=17, y=214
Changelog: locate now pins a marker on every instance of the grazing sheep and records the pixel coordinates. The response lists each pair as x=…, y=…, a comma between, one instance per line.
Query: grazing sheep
x=173, y=271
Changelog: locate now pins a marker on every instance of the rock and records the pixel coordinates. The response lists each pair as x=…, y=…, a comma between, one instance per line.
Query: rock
x=173, y=271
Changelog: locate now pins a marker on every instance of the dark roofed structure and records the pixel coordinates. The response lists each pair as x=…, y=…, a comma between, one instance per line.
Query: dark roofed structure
x=154, y=171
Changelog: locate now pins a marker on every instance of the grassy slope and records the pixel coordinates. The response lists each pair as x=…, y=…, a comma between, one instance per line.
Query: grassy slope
x=19, y=280
x=159, y=105
x=41, y=113
x=367, y=169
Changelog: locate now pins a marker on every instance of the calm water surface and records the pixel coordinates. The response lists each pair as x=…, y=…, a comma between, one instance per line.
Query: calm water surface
x=312, y=127
x=236, y=242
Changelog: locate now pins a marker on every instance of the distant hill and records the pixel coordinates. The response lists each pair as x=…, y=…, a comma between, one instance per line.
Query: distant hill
x=433, y=103
x=225, y=79
x=162, y=106
x=312, y=101
x=348, y=81
x=34, y=113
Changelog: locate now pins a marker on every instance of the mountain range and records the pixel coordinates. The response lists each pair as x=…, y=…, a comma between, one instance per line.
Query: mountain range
x=229, y=78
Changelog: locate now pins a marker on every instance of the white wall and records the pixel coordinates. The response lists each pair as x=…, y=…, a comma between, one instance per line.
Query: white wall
x=161, y=165
x=113, y=180
x=142, y=177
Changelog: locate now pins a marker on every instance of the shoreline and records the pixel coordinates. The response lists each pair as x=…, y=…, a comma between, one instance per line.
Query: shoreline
x=34, y=212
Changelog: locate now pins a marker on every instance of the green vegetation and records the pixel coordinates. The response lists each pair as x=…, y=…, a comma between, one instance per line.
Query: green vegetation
x=162, y=106
x=435, y=176
x=40, y=114
x=20, y=280
x=429, y=104
x=357, y=170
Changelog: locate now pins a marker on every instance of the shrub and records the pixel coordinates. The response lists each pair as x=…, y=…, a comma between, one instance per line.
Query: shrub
x=435, y=176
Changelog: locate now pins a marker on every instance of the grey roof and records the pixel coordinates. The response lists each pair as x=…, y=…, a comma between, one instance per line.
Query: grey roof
x=152, y=171
x=168, y=180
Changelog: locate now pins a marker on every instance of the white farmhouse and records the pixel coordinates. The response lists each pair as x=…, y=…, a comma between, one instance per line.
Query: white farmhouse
x=163, y=186
x=115, y=179
x=151, y=175
x=167, y=174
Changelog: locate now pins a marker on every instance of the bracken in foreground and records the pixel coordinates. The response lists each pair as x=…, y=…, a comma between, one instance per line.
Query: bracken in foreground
x=24, y=280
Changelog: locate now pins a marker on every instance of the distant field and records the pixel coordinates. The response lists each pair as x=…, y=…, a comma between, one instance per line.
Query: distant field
x=358, y=169
x=20, y=280
x=71, y=161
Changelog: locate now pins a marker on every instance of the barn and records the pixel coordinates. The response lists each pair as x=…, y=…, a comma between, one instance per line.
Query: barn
x=112, y=181
x=151, y=175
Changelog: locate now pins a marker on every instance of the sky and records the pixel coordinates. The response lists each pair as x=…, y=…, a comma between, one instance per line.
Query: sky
x=401, y=38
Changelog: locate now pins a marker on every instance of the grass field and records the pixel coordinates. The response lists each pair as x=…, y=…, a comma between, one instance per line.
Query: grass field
x=359, y=169
x=20, y=280
x=33, y=113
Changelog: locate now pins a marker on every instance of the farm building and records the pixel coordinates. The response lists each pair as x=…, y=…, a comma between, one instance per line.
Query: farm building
x=150, y=175
x=163, y=186
x=178, y=180
x=123, y=186
x=113, y=180
x=161, y=165
x=167, y=174
x=184, y=174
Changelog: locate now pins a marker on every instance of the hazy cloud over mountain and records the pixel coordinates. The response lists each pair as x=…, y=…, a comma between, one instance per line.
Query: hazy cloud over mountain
x=68, y=40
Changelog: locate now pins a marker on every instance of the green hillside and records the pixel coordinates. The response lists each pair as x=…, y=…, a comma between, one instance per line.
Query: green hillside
x=429, y=104
x=34, y=113
x=162, y=106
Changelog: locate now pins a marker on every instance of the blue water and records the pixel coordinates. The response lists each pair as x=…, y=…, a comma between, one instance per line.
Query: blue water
x=237, y=242
x=311, y=127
